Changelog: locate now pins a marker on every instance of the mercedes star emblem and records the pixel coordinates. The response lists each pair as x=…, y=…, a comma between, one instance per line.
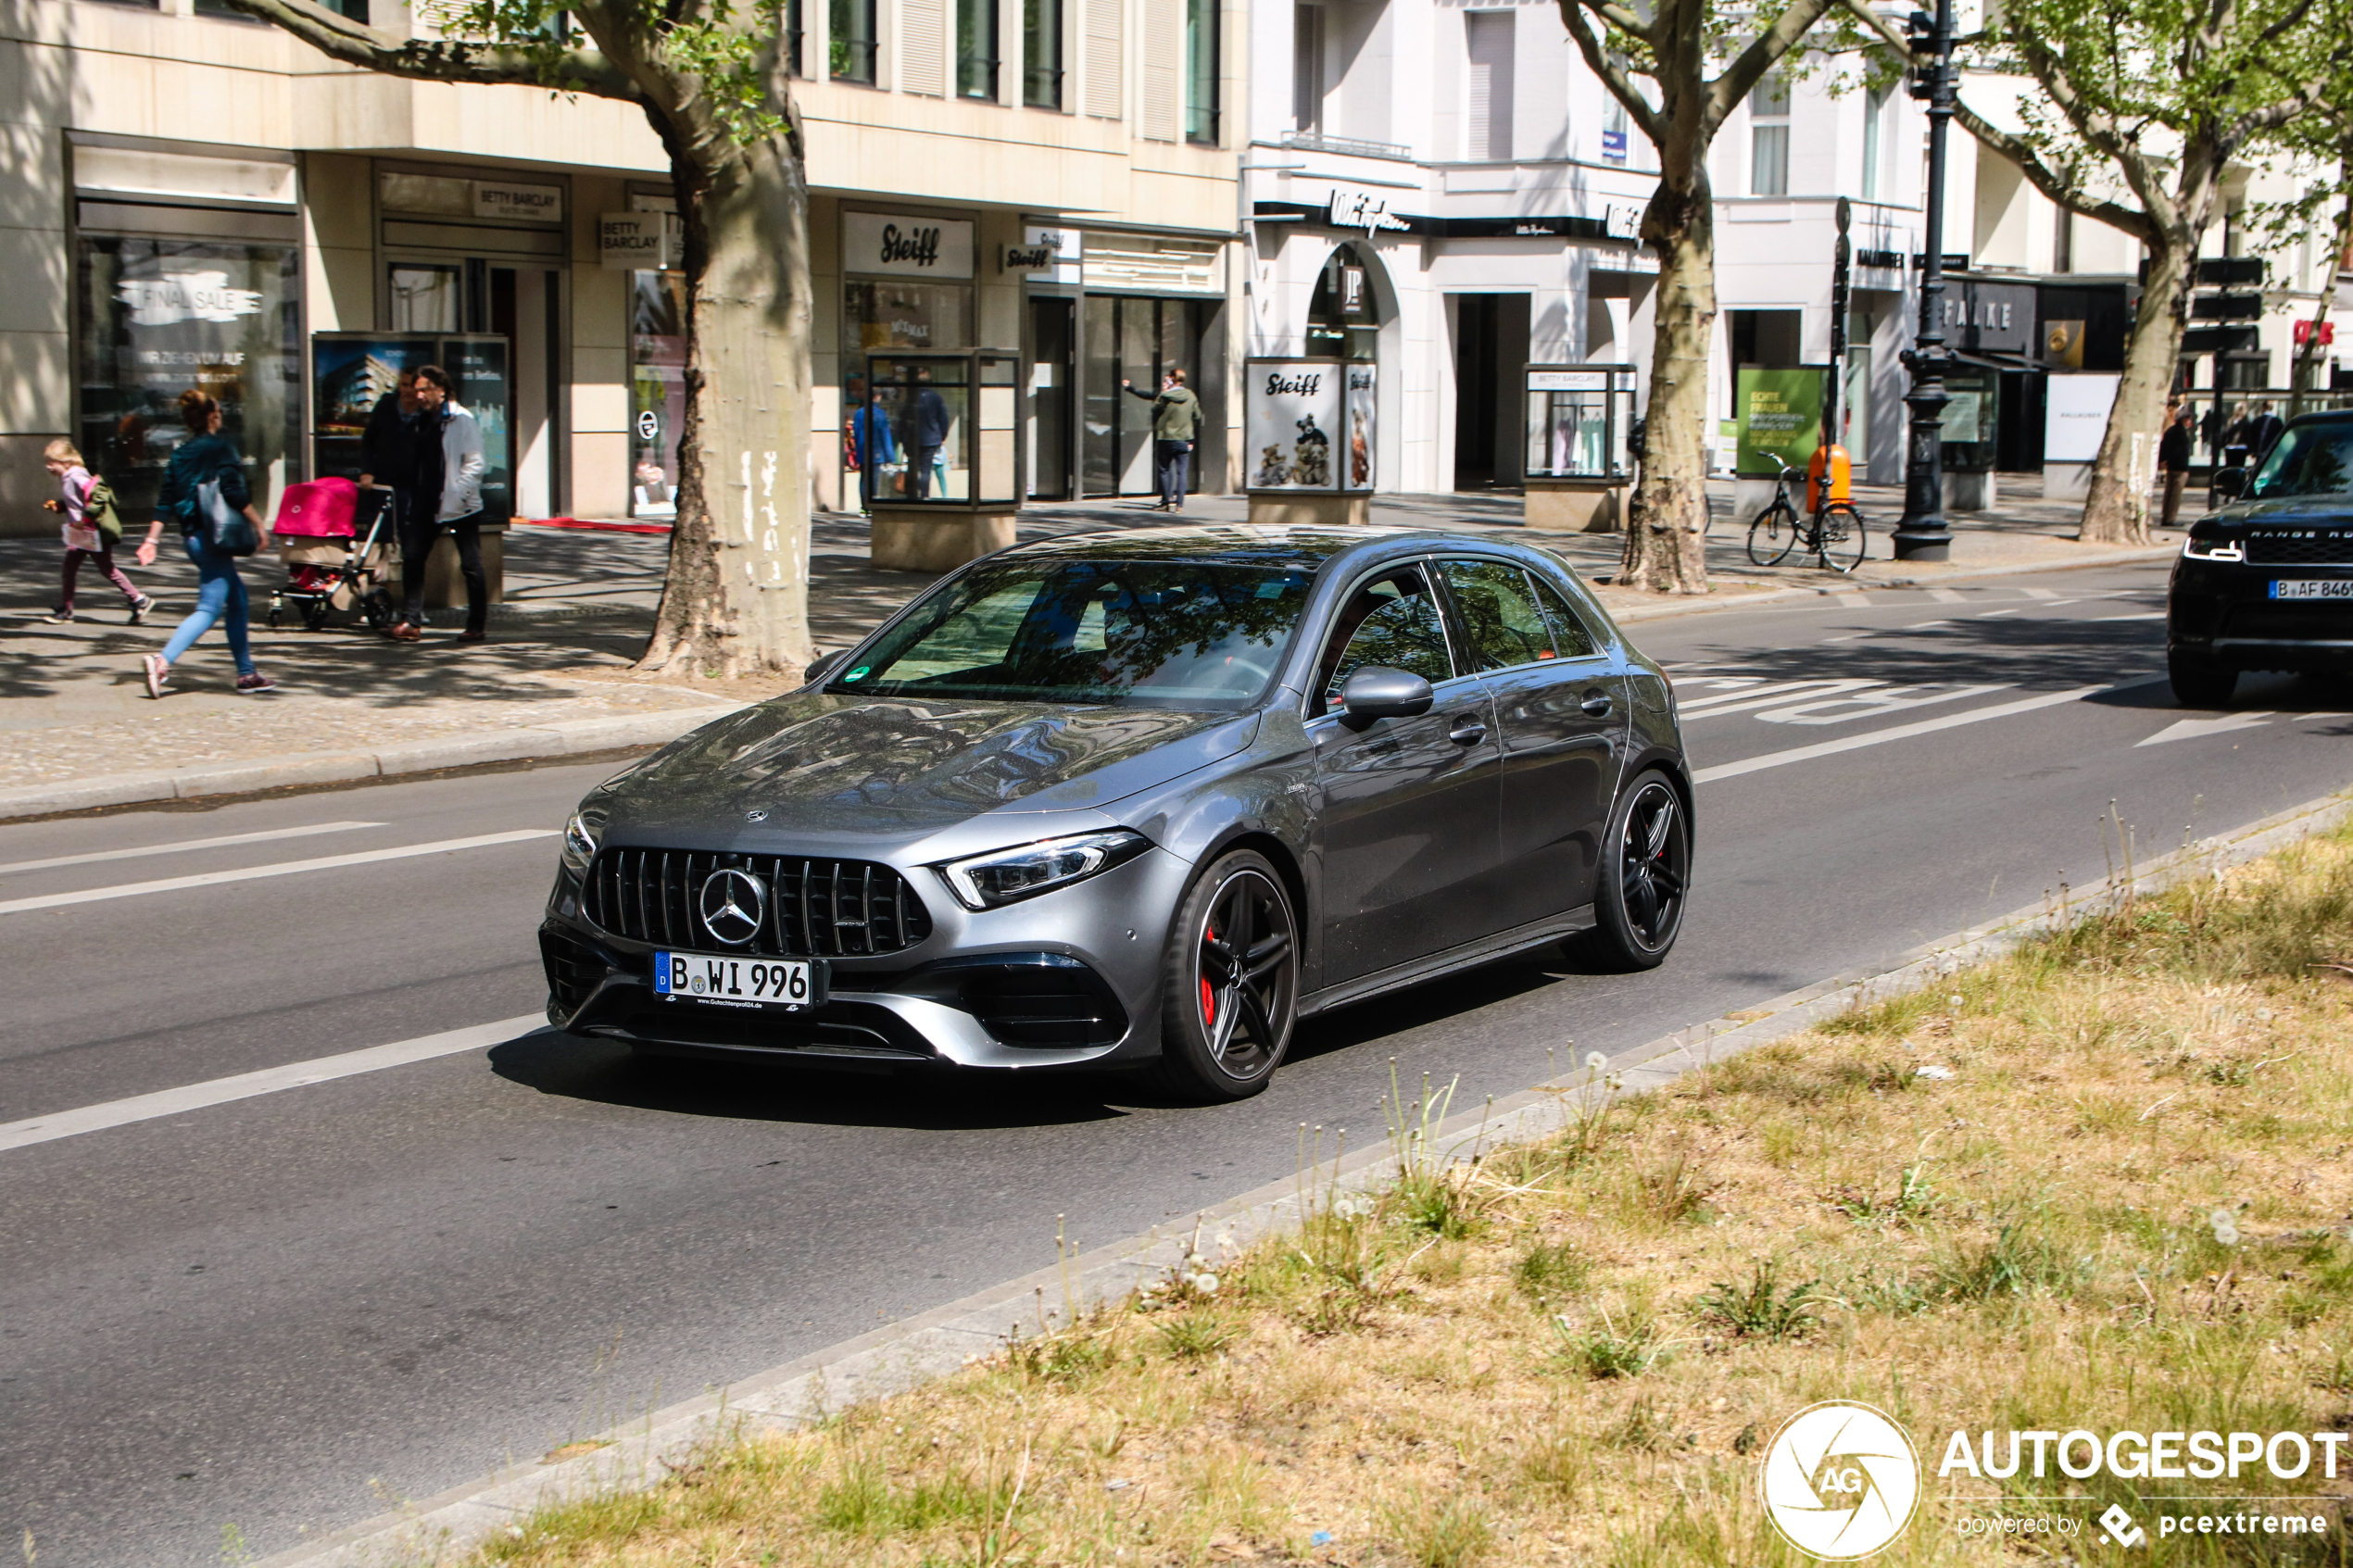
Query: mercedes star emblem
x=755, y=816
x=733, y=906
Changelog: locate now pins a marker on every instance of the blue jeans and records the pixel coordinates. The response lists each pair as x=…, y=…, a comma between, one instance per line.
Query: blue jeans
x=221, y=593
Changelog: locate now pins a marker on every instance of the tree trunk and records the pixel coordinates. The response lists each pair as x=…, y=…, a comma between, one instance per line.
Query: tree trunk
x=1666, y=531
x=2116, y=511
x=735, y=601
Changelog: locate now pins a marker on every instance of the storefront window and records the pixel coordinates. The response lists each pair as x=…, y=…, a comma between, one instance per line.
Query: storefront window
x=892, y=313
x=160, y=316
x=656, y=390
x=1342, y=320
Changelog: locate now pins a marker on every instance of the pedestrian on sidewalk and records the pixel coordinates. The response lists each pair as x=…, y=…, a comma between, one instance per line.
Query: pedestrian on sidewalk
x=92, y=528
x=443, y=493
x=2173, y=460
x=387, y=449
x=1175, y=423
x=207, y=457
x=929, y=435
x=2262, y=430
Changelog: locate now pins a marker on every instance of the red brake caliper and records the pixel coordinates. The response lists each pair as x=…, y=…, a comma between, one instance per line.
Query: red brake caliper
x=1207, y=996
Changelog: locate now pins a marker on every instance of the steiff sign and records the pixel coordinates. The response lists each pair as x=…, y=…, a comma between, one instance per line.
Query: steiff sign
x=898, y=244
x=636, y=241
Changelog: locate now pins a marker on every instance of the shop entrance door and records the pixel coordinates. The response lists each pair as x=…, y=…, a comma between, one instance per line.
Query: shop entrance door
x=1491, y=351
x=1137, y=341
x=1053, y=339
x=521, y=302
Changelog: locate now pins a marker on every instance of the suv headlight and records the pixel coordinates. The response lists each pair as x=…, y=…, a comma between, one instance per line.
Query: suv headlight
x=2197, y=548
x=581, y=835
x=1006, y=877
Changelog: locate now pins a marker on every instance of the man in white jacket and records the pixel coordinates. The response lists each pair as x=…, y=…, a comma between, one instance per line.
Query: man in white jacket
x=444, y=491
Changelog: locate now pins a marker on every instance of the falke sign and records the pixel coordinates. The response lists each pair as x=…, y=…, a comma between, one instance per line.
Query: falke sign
x=895, y=244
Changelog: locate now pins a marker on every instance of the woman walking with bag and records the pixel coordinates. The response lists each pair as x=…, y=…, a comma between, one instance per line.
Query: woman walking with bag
x=204, y=492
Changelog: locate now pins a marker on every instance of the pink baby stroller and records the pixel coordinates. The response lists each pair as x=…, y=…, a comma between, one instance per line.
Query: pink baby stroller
x=332, y=567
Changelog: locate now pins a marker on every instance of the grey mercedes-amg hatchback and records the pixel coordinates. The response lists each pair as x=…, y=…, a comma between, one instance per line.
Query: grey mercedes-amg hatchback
x=1139, y=800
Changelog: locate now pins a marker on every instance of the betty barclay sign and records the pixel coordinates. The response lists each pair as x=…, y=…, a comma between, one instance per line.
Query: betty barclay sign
x=1840, y=1481
x=898, y=244
x=185, y=297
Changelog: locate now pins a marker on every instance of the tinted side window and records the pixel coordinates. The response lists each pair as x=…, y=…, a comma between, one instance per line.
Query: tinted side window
x=1499, y=613
x=1569, y=634
x=1393, y=621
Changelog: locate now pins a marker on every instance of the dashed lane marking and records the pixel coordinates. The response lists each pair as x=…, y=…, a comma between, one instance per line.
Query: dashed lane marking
x=221, y=843
x=1904, y=731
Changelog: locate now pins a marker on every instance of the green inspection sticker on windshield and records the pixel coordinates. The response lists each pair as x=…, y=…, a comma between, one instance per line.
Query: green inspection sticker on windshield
x=858, y=674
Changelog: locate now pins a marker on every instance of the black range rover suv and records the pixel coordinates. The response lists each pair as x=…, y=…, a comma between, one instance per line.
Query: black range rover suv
x=2267, y=582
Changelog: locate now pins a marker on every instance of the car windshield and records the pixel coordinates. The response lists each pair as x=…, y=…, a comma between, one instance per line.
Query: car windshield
x=2314, y=460
x=1168, y=633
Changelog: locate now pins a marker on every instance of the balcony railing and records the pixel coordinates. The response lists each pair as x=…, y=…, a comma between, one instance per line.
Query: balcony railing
x=1349, y=146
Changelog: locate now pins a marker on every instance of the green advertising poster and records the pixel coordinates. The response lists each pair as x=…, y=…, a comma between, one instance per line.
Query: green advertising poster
x=1780, y=413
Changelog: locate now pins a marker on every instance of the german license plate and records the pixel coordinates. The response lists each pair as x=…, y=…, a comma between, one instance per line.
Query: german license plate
x=2313, y=588
x=734, y=981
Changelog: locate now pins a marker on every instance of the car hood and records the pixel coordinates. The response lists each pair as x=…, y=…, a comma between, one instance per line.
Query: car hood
x=2289, y=510
x=826, y=763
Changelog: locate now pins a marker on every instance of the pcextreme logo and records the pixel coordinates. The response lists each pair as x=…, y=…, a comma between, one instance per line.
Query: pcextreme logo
x=1840, y=1481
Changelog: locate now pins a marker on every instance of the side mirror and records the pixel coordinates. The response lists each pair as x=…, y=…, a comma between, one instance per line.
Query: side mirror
x=2229, y=484
x=1376, y=692
x=823, y=667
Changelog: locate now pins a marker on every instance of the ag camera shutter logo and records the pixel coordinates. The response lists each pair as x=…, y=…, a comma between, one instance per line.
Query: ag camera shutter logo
x=1840, y=1481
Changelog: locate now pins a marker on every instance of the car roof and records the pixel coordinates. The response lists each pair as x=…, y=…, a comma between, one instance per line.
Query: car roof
x=1305, y=546
x=2323, y=416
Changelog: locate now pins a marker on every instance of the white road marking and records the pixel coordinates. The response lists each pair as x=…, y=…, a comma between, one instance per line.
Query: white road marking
x=2198, y=729
x=2041, y=593
x=1989, y=614
x=1877, y=704
x=2145, y=615
x=1947, y=595
x=1766, y=696
x=1887, y=631
x=221, y=843
x=1854, y=599
x=288, y=868
x=268, y=1081
x=1900, y=732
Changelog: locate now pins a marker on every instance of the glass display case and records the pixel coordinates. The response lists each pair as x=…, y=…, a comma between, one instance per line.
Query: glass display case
x=1578, y=420
x=939, y=431
x=1309, y=425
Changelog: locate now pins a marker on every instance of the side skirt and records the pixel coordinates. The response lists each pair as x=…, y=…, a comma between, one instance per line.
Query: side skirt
x=1487, y=949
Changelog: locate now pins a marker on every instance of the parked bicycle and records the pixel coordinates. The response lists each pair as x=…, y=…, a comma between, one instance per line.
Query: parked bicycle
x=1834, y=534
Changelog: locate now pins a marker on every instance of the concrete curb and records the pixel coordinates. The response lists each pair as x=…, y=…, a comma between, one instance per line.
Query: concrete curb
x=937, y=1343
x=570, y=737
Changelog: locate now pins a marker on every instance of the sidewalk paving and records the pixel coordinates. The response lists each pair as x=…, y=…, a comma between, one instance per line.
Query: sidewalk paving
x=557, y=680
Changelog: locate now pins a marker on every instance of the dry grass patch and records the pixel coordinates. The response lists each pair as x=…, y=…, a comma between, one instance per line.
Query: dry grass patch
x=2102, y=1184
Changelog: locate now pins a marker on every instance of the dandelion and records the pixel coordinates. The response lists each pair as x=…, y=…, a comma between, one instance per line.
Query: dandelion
x=2226, y=1226
x=1204, y=1283
x=1595, y=1061
x=1955, y=998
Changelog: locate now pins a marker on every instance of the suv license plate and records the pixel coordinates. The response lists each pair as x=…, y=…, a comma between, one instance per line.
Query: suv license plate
x=2313, y=588
x=732, y=980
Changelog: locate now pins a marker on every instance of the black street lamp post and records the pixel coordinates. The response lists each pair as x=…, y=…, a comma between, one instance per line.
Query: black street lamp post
x=1922, y=535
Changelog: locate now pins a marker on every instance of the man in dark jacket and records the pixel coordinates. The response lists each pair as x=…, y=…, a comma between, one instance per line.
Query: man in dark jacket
x=2261, y=430
x=1176, y=422
x=926, y=433
x=2173, y=460
x=387, y=449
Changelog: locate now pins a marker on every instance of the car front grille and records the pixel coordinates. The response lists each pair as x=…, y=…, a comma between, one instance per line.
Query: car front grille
x=2299, y=546
x=815, y=908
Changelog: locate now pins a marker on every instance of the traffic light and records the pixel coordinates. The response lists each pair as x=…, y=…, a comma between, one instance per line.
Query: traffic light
x=1920, y=35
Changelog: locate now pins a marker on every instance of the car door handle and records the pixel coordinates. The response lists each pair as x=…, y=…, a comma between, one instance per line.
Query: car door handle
x=1467, y=731
x=1597, y=704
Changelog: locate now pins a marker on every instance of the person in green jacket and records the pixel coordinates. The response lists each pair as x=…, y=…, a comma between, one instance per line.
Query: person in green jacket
x=1175, y=423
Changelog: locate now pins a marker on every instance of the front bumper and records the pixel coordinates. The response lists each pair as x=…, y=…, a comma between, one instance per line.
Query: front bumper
x=1067, y=979
x=2224, y=611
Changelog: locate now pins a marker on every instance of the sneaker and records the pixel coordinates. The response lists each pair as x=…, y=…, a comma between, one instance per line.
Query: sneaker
x=156, y=669
x=257, y=682
x=59, y=618
x=139, y=609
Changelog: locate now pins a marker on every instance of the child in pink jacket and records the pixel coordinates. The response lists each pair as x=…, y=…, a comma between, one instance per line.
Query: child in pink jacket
x=84, y=537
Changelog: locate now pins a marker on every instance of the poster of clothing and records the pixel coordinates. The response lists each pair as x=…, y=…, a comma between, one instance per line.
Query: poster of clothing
x=1309, y=424
x=165, y=315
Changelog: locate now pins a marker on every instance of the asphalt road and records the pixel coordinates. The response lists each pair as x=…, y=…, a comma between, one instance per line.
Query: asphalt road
x=283, y=1312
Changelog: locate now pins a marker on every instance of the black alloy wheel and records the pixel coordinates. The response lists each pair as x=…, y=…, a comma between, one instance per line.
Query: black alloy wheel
x=1647, y=879
x=1232, y=982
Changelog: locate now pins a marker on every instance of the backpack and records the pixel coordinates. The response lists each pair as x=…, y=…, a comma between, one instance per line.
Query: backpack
x=99, y=511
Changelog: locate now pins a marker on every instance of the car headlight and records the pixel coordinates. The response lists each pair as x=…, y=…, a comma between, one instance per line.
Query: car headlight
x=2197, y=548
x=1006, y=877
x=581, y=835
